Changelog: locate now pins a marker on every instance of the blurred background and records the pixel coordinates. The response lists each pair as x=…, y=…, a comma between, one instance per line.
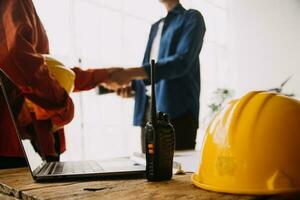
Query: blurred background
x=249, y=45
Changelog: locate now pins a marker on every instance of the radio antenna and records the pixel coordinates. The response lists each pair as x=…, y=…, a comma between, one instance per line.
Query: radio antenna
x=153, y=100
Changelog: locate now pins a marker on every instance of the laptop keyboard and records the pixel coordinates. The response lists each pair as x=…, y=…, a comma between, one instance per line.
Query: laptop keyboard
x=57, y=168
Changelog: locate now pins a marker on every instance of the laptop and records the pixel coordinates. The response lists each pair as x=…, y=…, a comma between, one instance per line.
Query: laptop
x=41, y=170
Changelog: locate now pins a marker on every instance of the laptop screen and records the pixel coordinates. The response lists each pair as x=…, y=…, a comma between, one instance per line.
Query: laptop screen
x=12, y=102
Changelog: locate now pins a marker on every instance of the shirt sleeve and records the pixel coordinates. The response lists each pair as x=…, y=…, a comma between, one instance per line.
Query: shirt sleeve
x=88, y=79
x=188, y=49
x=34, y=80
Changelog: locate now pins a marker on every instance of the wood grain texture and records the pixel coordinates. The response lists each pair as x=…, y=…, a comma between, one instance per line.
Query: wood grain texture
x=6, y=197
x=18, y=183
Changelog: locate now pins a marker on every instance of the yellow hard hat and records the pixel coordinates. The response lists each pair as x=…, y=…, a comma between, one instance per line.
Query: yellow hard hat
x=62, y=74
x=252, y=146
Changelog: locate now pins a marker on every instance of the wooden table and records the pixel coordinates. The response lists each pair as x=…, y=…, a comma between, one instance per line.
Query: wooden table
x=18, y=183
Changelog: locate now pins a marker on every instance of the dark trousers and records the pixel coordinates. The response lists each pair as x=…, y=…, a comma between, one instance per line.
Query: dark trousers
x=185, y=131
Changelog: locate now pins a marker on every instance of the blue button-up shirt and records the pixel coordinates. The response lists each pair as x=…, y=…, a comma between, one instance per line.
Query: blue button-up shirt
x=178, y=66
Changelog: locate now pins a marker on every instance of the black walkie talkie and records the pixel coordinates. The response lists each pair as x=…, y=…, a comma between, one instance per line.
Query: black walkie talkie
x=159, y=138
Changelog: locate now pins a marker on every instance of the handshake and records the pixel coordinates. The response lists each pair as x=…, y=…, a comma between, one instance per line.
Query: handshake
x=120, y=80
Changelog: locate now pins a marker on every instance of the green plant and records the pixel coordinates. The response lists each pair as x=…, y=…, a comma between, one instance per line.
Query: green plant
x=220, y=96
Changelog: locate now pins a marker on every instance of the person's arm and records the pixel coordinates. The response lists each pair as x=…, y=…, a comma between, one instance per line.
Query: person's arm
x=88, y=79
x=32, y=76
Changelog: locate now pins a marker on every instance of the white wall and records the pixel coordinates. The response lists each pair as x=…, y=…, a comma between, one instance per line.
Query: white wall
x=264, y=41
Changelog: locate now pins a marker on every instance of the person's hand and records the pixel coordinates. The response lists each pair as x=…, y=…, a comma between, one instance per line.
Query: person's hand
x=111, y=70
x=125, y=91
x=120, y=77
x=111, y=84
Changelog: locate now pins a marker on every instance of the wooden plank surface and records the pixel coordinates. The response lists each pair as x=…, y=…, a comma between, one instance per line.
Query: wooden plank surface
x=18, y=183
x=6, y=197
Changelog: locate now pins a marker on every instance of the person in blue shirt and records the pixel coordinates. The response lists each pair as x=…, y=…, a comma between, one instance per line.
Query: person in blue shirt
x=175, y=42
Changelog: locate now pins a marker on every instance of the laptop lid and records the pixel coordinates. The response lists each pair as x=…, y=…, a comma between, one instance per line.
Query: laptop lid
x=11, y=95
